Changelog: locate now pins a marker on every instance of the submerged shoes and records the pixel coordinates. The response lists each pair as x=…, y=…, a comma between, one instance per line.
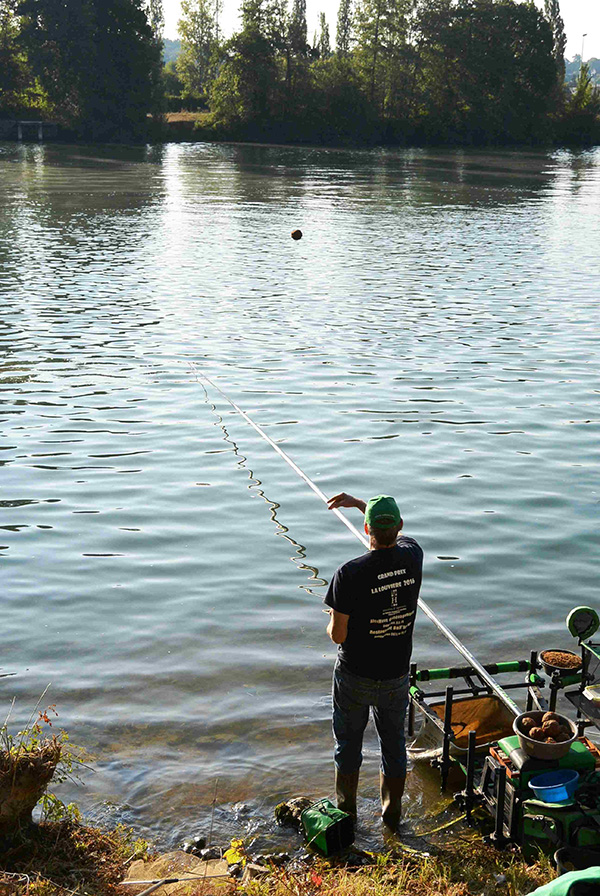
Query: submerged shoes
x=392, y=789
x=391, y=800
x=346, y=787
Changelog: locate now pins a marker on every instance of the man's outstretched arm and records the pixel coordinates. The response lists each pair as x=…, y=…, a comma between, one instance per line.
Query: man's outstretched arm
x=345, y=500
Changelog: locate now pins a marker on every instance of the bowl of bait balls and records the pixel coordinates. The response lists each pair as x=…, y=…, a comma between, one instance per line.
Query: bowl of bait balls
x=545, y=735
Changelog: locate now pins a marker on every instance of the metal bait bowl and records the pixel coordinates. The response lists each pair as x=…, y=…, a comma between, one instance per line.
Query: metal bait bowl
x=549, y=667
x=538, y=749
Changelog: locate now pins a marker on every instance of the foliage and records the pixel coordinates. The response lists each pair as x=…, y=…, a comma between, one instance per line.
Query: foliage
x=552, y=13
x=197, y=62
x=97, y=61
x=404, y=71
x=572, y=69
x=580, y=122
x=155, y=16
x=247, y=90
x=297, y=30
x=53, y=809
x=171, y=50
x=344, y=27
x=486, y=71
x=341, y=110
x=34, y=743
x=14, y=72
x=323, y=41
x=425, y=71
x=29, y=760
x=64, y=856
x=383, y=54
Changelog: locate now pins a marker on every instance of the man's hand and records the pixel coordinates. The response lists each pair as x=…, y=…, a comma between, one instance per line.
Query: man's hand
x=345, y=500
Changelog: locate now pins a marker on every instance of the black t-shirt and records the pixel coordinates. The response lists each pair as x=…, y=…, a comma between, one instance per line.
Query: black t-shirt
x=379, y=592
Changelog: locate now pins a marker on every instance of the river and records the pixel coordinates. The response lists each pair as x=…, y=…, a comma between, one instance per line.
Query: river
x=434, y=335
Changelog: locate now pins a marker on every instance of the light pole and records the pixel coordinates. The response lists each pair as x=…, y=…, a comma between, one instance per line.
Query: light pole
x=583, y=37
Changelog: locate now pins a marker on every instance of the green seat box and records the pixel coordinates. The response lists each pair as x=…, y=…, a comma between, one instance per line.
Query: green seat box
x=578, y=758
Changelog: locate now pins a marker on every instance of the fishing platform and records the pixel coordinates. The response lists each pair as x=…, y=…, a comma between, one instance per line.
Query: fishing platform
x=536, y=795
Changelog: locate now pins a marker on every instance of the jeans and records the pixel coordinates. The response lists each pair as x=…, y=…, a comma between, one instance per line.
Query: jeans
x=352, y=697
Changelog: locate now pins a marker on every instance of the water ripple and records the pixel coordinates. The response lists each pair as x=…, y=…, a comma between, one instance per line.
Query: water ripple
x=433, y=335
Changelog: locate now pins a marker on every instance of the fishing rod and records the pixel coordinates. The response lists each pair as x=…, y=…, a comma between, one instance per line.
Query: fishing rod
x=451, y=637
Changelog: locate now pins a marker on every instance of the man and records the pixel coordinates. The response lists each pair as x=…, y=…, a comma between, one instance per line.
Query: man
x=373, y=603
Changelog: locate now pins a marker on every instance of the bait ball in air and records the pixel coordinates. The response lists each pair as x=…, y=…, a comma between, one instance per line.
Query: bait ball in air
x=296, y=234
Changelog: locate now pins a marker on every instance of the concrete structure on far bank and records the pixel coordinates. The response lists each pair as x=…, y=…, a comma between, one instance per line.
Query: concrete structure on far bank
x=18, y=129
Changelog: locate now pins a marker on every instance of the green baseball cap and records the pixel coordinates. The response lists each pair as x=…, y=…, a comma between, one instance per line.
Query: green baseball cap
x=382, y=512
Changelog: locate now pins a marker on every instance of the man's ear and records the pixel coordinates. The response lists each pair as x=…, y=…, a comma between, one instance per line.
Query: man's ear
x=401, y=524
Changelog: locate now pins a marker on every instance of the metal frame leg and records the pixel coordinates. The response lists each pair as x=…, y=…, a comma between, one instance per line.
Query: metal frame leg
x=498, y=834
x=447, y=735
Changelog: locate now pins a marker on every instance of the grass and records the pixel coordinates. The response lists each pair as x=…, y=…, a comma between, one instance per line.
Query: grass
x=60, y=859
x=64, y=857
x=187, y=116
x=466, y=867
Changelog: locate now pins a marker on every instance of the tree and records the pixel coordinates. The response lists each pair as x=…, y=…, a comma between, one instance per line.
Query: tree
x=247, y=90
x=59, y=41
x=552, y=13
x=341, y=108
x=581, y=119
x=156, y=18
x=96, y=60
x=172, y=82
x=199, y=31
x=343, y=36
x=14, y=73
x=297, y=28
x=323, y=42
x=381, y=42
x=172, y=88
x=488, y=72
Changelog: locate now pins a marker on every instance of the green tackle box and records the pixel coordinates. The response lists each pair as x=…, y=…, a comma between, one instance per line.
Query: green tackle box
x=549, y=825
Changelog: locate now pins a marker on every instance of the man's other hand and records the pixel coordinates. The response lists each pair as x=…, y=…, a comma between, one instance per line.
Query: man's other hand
x=345, y=500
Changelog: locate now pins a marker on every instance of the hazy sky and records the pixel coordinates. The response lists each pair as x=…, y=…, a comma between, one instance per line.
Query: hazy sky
x=580, y=16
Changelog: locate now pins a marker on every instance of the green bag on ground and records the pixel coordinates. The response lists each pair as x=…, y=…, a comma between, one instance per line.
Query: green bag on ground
x=573, y=883
x=327, y=829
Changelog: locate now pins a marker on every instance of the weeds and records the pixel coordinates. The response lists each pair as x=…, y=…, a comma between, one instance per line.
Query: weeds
x=464, y=868
x=29, y=760
x=62, y=857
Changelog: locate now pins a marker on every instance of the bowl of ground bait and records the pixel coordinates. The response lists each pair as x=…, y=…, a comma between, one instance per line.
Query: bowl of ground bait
x=564, y=661
x=545, y=735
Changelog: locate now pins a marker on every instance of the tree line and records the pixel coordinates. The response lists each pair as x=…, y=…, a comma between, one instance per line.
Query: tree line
x=93, y=66
x=469, y=72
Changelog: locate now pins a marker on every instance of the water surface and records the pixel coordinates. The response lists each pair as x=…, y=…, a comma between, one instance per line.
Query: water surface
x=434, y=335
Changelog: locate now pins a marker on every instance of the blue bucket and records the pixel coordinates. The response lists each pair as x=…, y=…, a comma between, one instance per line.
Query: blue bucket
x=555, y=787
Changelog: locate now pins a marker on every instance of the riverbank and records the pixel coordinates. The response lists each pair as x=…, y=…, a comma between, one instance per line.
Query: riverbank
x=199, y=127
x=184, y=127
x=60, y=858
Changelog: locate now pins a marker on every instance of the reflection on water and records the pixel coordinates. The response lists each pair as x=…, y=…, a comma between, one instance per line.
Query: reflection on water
x=433, y=335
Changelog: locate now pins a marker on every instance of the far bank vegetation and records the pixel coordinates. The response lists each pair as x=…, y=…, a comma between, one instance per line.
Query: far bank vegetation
x=399, y=72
